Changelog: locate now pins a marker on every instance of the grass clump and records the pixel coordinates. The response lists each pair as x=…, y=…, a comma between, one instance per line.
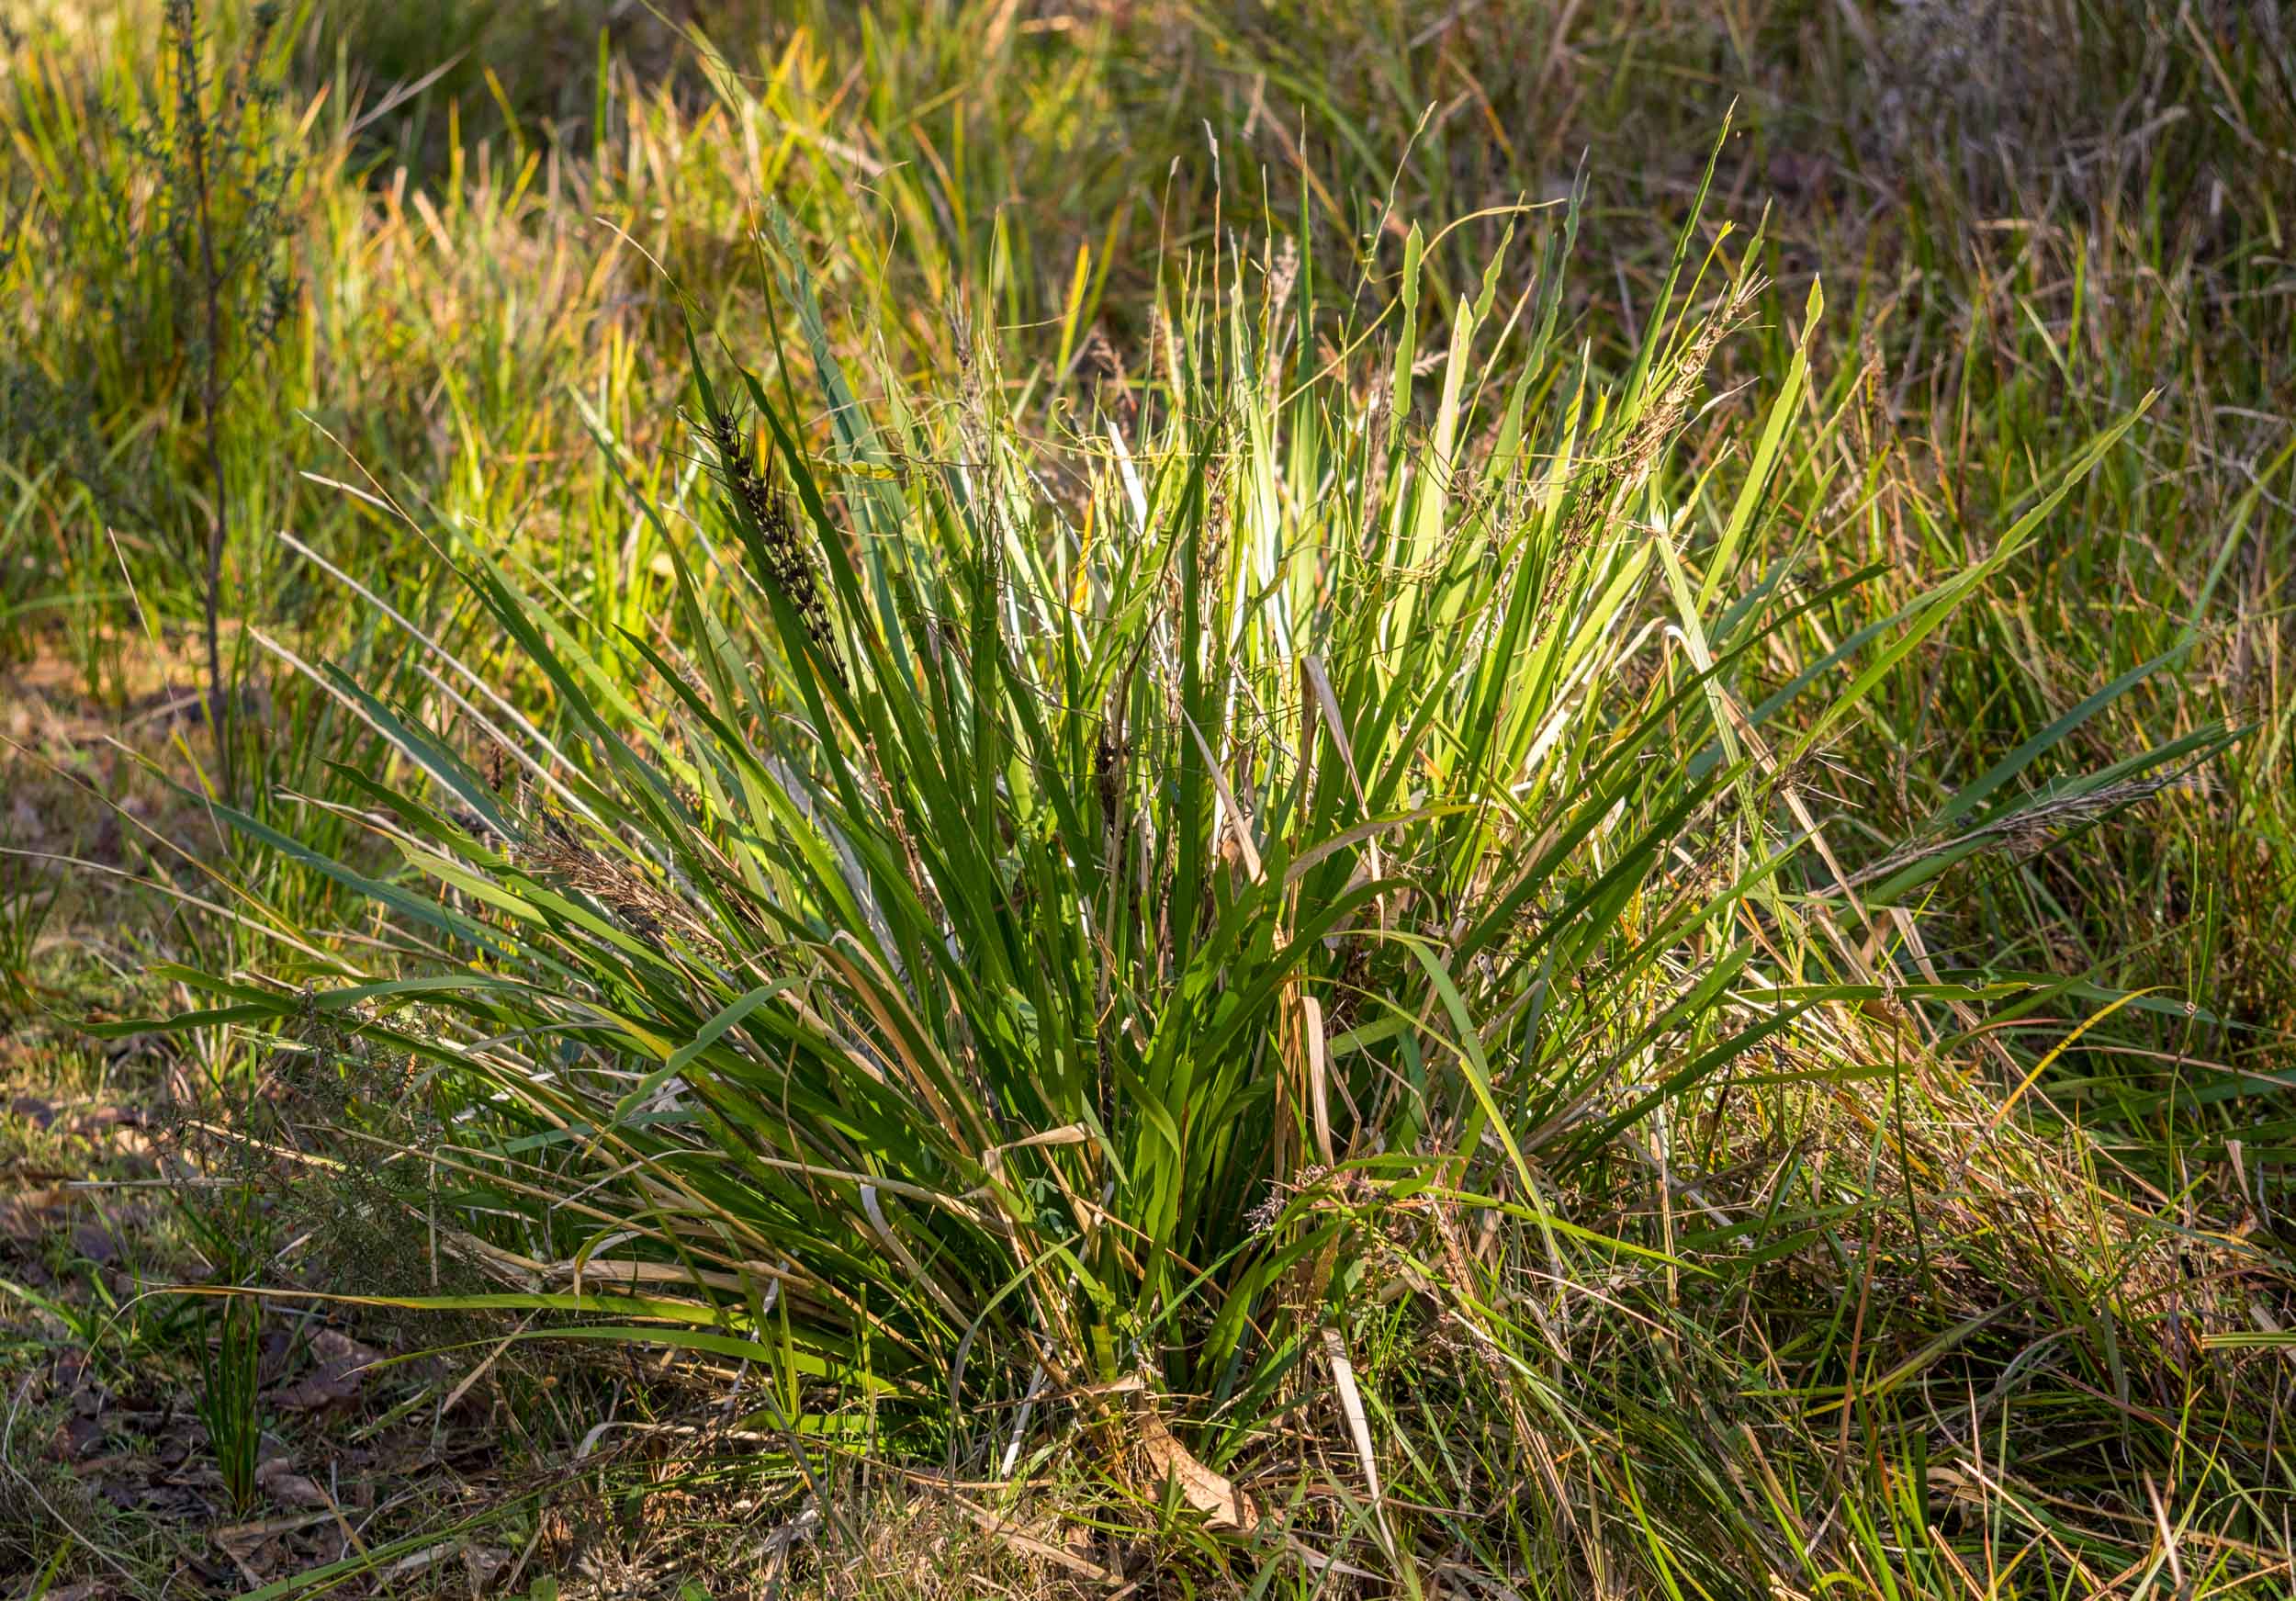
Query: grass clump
x=1321, y=884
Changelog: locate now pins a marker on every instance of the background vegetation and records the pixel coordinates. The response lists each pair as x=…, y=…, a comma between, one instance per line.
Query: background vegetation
x=1293, y=799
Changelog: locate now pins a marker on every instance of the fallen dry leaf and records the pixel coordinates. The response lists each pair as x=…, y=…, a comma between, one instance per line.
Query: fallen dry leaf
x=279, y=1479
x=1222, y=1505
x=484, y=1562
x=335, y=1381
x=331, y=1346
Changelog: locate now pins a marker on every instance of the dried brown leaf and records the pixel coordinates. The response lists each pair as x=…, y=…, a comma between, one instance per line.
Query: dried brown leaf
x=279, y=1480
x=1222, y=1505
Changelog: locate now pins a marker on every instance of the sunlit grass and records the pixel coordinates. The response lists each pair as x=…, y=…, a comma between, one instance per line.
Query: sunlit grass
x=1128, y=766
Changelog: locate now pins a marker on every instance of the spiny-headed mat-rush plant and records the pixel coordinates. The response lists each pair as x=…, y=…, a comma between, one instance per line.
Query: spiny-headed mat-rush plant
x=1075, y=923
